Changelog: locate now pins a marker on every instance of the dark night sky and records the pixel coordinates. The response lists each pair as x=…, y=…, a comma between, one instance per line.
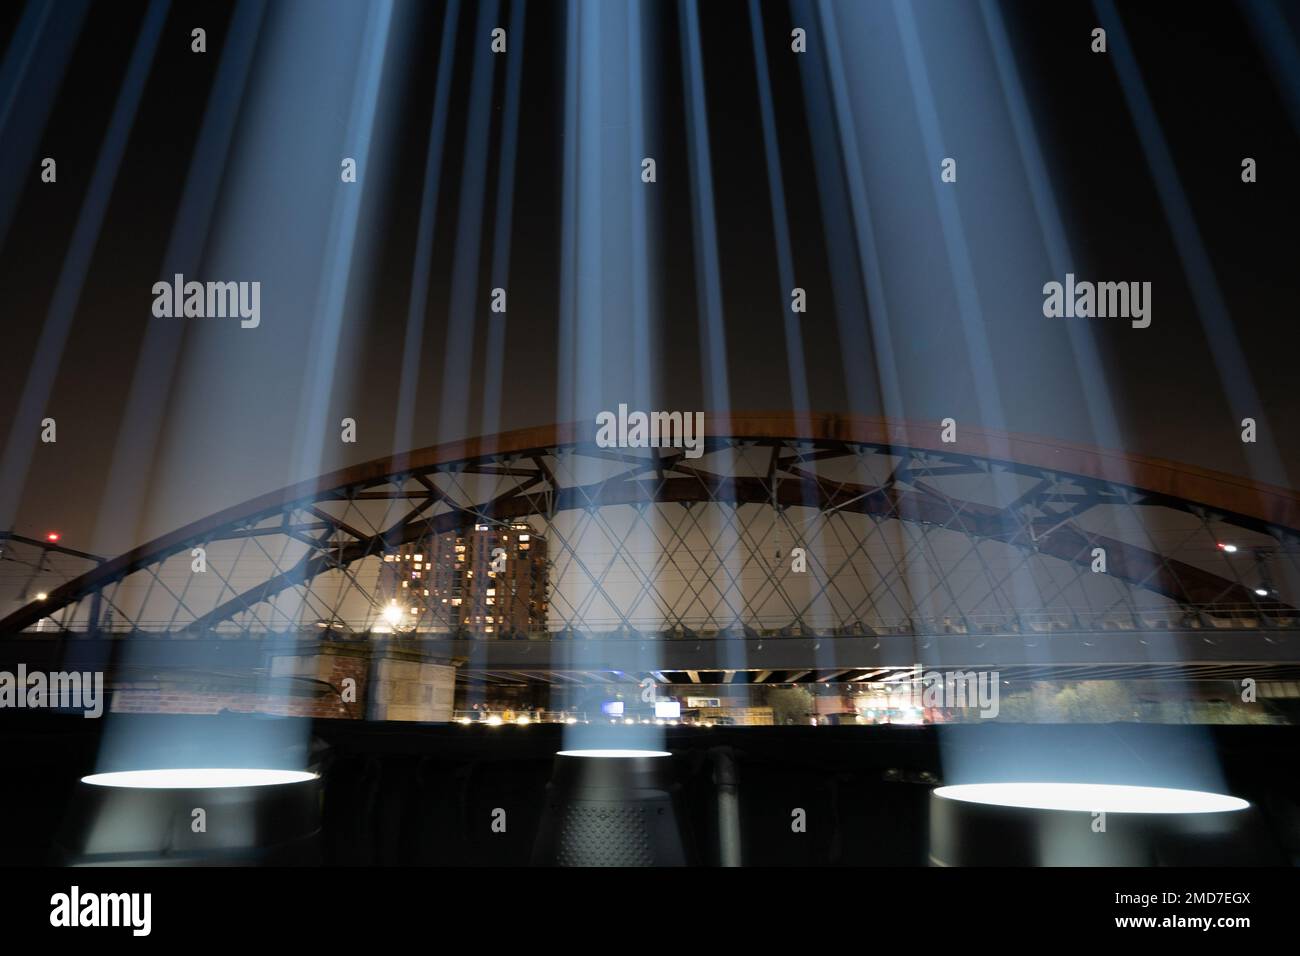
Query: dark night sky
x=1215, y=97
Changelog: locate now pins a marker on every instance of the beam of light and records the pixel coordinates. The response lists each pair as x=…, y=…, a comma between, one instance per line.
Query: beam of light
x=976, y=331
x=197, y=778
x=20, y=53
x=417, y=305
x=605, y=313
x=322, y=380
x=160, y=348
x=780, y=223
x=949, y=77
x=795, y=364
x=846, y=214
x=34, y=65
x=595, y=353
x=922, y=147
x=708, y=274
x=641, y=105
x=494, y=361
x=1092, y=798
x=1102, y=419
x=869, y=359
x=566, y=384
x=277, y=163
x=1275, y=37
x=313, y=98
x=23, y=433
x=713, y=333
x=1211, y=308
x=335, y=277
x=857, y=228
x=638, y=90
x=974, y=328
x=1087, y=371
x=467, y=300
x=889, y=144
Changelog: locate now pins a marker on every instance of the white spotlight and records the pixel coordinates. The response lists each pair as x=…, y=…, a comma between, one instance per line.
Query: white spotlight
x=613, y=753
x=197, y=778
x=1037, y=823
x=252, y=815
x=1092, y=798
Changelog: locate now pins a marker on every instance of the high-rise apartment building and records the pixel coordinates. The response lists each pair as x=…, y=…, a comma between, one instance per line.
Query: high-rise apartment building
x=489, y=580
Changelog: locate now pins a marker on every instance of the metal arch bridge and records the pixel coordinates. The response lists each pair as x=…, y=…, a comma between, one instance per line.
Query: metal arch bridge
x=902, y=533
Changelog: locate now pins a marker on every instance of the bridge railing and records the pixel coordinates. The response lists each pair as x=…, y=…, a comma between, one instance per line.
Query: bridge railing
x=1033, y=622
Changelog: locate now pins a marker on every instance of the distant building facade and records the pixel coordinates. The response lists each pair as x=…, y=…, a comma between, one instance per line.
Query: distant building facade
x=460, y=581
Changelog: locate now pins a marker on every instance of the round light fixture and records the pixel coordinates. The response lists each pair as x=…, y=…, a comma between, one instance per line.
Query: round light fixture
x=611, y=807
x=1050, y=823
x=613, y=752
x=198, y=778
x=1092, y=798
x=195, y=816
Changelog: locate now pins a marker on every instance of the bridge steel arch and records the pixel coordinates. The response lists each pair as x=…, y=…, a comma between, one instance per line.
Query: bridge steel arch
x=890, y=515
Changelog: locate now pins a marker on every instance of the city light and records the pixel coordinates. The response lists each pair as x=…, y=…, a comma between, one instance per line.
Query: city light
x=52, y=536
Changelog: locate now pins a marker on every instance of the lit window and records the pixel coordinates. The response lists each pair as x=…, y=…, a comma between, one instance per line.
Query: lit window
x=491, y=592
x=524, y=546
x=480, y=527
x=524, y=537
x=419, y=557
x=418, y=566
x=388, y=558
x=406, y=584
x=491, y=600
x=426, y=592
